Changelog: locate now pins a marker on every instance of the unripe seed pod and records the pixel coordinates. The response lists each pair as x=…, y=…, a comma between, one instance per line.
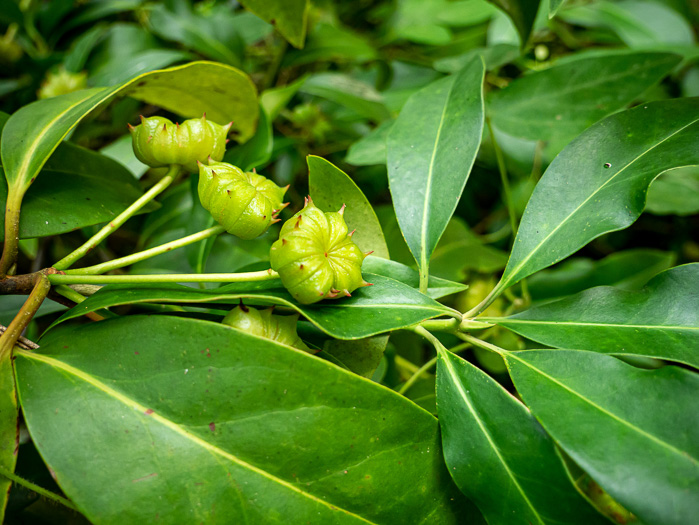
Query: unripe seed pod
x=246, y=204
x=158, y=142
x=315, y=256
x=263, y=323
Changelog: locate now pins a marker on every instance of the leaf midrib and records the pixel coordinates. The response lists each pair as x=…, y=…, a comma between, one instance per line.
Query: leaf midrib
x=55, y=363
x=506, y=320
x=455, y=380
x=613, y=416
x=519, y=267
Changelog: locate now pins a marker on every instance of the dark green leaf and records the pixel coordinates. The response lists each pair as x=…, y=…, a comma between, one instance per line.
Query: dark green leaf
x=634, y=431
x=387, y=305
x=628, y=270
x=255, y=152
x=77, y=188
x=675, y=192
x=498, y=454
x=226, y=426
x=562, y=101
x=330, y=188
x=9, y=428
x=661, y=320
x=348, y=92
x=522, y=13
x=598, y=183
x=290, y=17
x=431, y=149
x=370, y=149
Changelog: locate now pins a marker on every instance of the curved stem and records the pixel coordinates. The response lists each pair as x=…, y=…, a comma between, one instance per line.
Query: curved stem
x=11, y=245
x=36, y=488
x=146, y=254
x=24, y=316
x=485, y=303
x=424, y=368
x=264, y=275
x=77, y=298
x=482, y=344
x=120, y=219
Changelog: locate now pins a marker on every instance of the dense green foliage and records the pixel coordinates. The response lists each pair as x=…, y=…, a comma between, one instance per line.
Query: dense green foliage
x=480, y=304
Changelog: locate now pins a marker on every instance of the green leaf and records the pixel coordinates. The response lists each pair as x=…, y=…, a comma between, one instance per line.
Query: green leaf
x=77, y=188
x=348, y=92
x=371, y=148
x=522, y=13
x=34, y=131
x=563, y=100
x=634, y=431
x=385, y=306
x=255, y=152
x=226, y=426
x=598, y=183
x=497, y=453
x=330, y=188
x=675, y=192
x=361, y=356
x=289, y=17
x=554, y=6
x=431, y=149
x=661, y=320
x=628, y=270
x=331, y=42
x=437, y=287
x=9, y=428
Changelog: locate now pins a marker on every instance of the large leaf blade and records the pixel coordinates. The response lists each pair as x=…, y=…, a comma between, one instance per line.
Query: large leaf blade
x=616, y=160
x=497, y=454
x=387, y=305
x=563, y=100
x=431, y=149
x=634, y=431
x=212, y=447
x=290, y=17
x=660, y=321
x=523, y=15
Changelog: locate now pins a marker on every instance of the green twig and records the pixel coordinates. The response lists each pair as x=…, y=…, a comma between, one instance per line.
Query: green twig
x=77, y=298
x=264, y=275
x=482, y=344
x=146, y=254
x=24, y=316
x=120, y=219
x=36, y=488
x=11, y=245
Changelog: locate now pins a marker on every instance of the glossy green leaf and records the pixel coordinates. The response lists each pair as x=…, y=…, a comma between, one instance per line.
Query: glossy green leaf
x=255, y=152
x=370, y=149
x=387, y=305
x=675, y=192
x=226, y=427
x=331, y=42
x=348, y=92
x=554, y=6
x=498, y=454
x=628, y=270
x=635, y=431
x=565, y=99
x=661, y=320
x=431, y=149
x=598, y=183
x=33, y=132
x=330, y=188
x=437, y=287
x=361, y=356
x=9, y=428
x=77, y=188
x=290, y=17
x=522, y=13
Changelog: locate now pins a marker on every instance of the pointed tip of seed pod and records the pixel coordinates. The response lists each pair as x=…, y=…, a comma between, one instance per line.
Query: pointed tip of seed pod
x=254, y=170
x=364, y=283
x=164, y=127
x=286, y=188
x=203, y=117
x=322, y=294
x=275, y=221
x=213, y=173
x=298, y=222
x=228, y=140
x=228, y=126
x=351, y=233
x=341, y=211
x=177, y=124
x=368, y=253
x=271, y=308
x=269, y=271
x=131, y=128
x=334, y=290
x=150, y=137
x=307, y=200
x=283, y=241
x=199, y=163
x=142, y=118
x=347, y=294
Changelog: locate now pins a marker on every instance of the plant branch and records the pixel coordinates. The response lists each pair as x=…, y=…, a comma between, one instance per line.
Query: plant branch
x=482, y=344
x=120, y=219
x=146, y=254
x=264, y=275
x=11, y=245
x=36, y=488
x=24, y=316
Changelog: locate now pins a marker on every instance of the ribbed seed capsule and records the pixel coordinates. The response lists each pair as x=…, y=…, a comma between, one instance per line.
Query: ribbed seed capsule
x=263, y=323
x=158, y=142
x=243, y=203
x=315, y=256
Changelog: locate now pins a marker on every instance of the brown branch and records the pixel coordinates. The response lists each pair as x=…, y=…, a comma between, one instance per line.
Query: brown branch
x=22, y=342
